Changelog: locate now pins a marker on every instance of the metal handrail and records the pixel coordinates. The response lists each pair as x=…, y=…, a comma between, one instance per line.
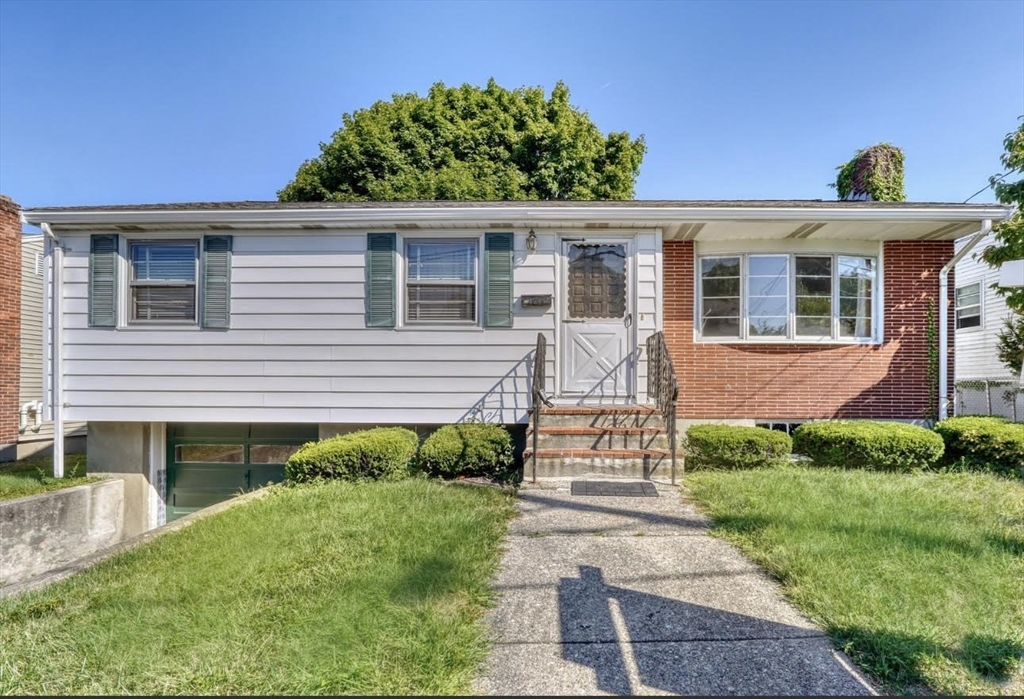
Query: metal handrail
x=663, y=387
x=537, y=394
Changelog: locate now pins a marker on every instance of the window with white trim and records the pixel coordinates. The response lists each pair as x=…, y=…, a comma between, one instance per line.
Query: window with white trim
x=441, y=281
x=787, y=297
x=968, y=306
x=162, y=281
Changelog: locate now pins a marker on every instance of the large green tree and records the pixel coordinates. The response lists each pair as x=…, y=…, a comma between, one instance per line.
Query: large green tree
x=1009, y=245
x=470, y=143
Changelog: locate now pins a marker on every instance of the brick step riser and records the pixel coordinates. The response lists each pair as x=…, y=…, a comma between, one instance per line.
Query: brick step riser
x=606, y=441
x=603, y=420
x=560, y=467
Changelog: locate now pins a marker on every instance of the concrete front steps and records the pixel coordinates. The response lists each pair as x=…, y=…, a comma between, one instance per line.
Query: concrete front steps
x=626, y=441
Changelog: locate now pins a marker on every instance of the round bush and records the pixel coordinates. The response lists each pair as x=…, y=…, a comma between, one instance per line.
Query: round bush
x=882, y=446
x=469, y=449
x=984, y=443
x=729, y=446
x=382, y=453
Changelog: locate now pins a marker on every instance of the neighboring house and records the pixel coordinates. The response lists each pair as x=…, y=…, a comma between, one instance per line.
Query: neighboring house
x=23, y=431
x=35, y=435
x=983, y=383
x=204, y=342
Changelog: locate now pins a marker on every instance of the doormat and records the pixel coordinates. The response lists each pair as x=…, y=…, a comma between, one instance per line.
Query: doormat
x=622, y=489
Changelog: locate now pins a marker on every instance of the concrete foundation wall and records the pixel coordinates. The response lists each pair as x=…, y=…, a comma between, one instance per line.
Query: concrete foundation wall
x=42, y=532
x=121, y=449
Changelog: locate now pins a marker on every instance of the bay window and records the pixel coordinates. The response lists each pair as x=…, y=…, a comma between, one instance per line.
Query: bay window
x=780, y=297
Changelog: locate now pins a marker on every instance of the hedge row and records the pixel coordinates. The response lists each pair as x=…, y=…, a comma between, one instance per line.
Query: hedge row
x=392, y=453
x=726, y=446
x=383, y=453
x=977, y=443
x=468, y=449
x=984, y=443
x=883, y=446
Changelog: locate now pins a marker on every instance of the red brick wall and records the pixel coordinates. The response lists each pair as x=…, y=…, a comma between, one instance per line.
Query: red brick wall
x=792, y=382
x=10, y=319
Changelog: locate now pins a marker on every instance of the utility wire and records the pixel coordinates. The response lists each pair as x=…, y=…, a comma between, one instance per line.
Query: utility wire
x=994, y=180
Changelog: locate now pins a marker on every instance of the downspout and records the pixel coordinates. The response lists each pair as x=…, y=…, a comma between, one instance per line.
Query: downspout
x=986, y=228
x=56, y=254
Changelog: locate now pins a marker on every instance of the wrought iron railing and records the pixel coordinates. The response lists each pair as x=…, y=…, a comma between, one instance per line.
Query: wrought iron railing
x=538, y=398
x=663, y=387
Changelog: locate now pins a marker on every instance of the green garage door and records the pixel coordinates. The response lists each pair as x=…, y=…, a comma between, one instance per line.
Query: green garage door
x=210, y=463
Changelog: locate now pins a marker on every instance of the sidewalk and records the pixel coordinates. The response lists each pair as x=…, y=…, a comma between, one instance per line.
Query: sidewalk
x=630, y=595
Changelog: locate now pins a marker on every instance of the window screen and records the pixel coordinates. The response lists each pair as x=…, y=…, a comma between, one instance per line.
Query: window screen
x=968, y=306
x=441, y=281
x=163, y=282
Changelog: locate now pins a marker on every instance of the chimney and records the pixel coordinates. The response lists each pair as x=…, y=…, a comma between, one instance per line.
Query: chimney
x=10, y=326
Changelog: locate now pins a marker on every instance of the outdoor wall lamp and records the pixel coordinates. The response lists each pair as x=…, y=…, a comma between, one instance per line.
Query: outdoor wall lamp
x=531, y=241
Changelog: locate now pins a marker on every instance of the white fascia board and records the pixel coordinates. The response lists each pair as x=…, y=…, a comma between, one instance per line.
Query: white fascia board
x=525, y=215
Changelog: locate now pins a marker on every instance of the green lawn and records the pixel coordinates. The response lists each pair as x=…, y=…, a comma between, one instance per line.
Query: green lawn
x=920, y=578
x=35, y=475
x=337, y=588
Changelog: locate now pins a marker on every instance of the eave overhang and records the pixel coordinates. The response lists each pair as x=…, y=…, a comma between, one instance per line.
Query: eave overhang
x=717, y=221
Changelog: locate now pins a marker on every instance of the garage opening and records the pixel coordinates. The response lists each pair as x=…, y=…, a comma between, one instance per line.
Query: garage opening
x=209, y=463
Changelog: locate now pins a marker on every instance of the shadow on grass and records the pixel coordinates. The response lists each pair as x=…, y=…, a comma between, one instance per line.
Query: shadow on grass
x=964, y=546
x=898, y=659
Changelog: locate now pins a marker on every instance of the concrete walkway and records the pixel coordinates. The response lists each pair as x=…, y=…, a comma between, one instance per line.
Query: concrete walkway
x=630, y=595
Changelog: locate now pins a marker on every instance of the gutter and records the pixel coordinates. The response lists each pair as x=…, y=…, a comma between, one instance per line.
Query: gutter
x=986, y=228
x=53, y=317
x=512, y=214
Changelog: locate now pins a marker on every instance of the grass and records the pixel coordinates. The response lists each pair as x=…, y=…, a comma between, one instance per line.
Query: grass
x=335, y=588
x=35, y=475
x=918, y=577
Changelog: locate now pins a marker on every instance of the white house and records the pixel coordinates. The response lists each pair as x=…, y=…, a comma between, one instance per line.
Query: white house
x=203, y=342
x=981, y=380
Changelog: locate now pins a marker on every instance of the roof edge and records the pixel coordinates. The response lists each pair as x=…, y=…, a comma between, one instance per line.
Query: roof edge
x=614, y=214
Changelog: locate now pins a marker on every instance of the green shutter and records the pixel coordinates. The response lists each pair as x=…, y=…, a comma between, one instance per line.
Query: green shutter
x=498, y=266
x=380, y=280
x=216, y=281
x=103, y=264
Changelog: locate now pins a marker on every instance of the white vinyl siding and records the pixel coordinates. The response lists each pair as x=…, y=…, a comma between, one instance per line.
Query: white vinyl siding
x=975, y=354
x=31, y=319
x=298, y=349
x=33, y=280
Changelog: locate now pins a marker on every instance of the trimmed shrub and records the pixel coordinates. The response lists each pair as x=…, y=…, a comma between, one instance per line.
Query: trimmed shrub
x=468, y=449
x=729, y=446
x=882, y=446
x=382, y=453
x=984, y=443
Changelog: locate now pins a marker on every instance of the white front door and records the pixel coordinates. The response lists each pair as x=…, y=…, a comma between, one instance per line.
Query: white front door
x=597, y=334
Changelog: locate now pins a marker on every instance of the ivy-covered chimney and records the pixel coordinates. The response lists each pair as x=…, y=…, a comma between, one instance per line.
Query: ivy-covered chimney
x=873, y=174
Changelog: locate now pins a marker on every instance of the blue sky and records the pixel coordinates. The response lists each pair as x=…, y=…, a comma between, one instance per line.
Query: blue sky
x=121, y=102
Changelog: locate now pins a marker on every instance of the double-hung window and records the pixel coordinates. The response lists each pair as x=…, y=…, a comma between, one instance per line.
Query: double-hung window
x=794, y=297
x=441, y=281
x=162, y=281
x=159, y=282
x=968, y=306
